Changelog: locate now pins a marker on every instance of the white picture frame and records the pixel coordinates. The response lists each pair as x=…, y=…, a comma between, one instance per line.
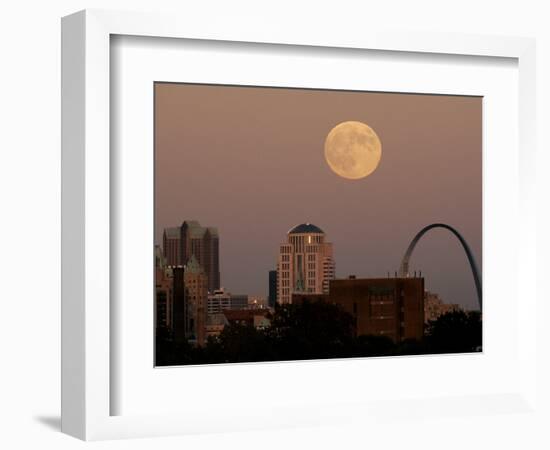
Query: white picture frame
x=87, y=354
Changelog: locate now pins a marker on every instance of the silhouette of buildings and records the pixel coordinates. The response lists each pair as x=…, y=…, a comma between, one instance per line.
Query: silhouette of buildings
x=305, y=263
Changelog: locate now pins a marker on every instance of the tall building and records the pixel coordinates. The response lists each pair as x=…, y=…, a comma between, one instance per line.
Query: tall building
x=196, y=296
x=163, y=291
x=171, y=246
x=392, y=307
x=203, y=243
x=305, y=263
x=179, y=305
x=272, y=296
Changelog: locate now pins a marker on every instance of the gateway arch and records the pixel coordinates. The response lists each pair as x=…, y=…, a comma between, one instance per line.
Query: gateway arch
x=404, y=269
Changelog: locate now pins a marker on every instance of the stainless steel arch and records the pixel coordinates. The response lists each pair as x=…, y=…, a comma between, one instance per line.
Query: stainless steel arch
x=404, y=269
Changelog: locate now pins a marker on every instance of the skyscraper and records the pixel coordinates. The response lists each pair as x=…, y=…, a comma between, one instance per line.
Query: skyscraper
x=164, y=289
x=196, y=296
x=203, y=243
x=171, y=246
x=272, y=296
x=305, y=263
x=179, y=305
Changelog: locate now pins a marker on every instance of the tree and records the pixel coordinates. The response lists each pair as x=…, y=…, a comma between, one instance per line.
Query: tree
x=170, y=353
x=369, y=345
x=241, y=343
x=455, y=332
x=310, y=330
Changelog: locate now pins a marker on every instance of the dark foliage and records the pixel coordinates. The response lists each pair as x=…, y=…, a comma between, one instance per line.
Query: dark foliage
x=455, y=332
x=317, y=330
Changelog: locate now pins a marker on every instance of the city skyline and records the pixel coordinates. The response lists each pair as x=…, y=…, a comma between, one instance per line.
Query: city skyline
x=370, y=222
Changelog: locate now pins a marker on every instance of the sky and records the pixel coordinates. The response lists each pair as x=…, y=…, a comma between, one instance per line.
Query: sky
x=250, y=161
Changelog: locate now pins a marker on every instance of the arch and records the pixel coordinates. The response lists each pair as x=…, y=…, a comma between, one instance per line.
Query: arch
x=404, y=269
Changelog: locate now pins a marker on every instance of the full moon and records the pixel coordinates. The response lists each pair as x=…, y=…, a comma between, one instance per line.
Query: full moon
x=353, y=150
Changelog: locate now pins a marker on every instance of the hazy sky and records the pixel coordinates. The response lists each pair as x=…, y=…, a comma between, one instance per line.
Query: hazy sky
x=250, y=161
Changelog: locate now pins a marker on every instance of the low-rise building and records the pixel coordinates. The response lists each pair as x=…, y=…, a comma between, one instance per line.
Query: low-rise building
x=221, y=299
x=434, y=306
x=257, y=318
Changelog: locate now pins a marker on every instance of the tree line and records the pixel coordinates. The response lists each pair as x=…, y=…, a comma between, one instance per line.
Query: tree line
x=318, y=330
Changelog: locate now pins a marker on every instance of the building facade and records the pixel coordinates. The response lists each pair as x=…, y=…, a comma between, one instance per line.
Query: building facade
x=305, y=263
x=435, y=307
x=258, y=318
x=196, y=296
x=179, y=308
x=171, y=246
x=163, y=291
x=272, y=290
x=220, y=300
x=203, y=243
x=392, y=307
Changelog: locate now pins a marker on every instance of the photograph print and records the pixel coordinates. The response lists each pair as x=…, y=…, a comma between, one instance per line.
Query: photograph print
x=305, y=224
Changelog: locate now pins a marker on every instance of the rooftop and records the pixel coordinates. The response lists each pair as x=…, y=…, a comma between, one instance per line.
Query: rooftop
x=304, y=228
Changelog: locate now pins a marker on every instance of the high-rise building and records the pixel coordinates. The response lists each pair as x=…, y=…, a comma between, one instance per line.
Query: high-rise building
x=392, y=307
x=272, y=296
x=179, y=305
x=203, y=243
x=163, y=291
x=171, y=246
x=305, y=263
x=196, y=295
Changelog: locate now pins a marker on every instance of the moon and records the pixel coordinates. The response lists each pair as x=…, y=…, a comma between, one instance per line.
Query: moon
x=353, y=150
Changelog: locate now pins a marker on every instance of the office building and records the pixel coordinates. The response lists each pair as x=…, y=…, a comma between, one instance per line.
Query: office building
x=221, y=300
x=215, y=323
x=179, y=306
x=392, y=307
x=163, y=291
x=196, y=296
x=171, y=246
x=202, y=243
x=305, y=263
x=272, y=296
